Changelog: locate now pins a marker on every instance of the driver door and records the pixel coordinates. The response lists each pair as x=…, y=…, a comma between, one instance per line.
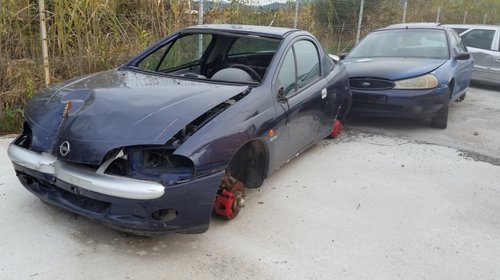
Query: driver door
x=301, y=92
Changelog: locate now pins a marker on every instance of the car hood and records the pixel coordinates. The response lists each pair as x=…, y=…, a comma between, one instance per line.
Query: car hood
x=118, y=108
x=391, y=68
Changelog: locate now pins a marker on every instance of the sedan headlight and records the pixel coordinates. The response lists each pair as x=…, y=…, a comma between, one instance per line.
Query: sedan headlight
x=421, y=82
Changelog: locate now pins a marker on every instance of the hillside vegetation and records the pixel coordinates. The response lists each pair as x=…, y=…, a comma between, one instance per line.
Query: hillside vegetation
x=86, y=36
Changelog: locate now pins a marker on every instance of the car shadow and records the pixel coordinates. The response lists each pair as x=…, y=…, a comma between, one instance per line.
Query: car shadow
x=480, y=85
x=387, y=123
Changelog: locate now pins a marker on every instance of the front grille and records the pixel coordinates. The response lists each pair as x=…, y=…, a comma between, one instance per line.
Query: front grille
x=369, y=98
x=370, y=83
x=377, y=107
x=55, y=193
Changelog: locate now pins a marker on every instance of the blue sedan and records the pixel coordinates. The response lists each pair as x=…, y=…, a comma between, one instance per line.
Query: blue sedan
x=411, y=70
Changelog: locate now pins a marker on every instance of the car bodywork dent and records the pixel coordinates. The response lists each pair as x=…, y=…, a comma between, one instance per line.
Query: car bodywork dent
x=102, y=114
x=85, y=177
x=145, y=151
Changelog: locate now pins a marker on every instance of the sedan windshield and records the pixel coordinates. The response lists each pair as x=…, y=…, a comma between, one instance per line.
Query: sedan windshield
x=418, y=43
x=217, y=57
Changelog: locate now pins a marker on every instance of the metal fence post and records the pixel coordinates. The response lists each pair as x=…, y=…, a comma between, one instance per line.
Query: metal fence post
x=465, y=16
x=200, y=12
x=296, y=19
x=484, y=18
x=43, y=36
x=360, y=20
x=438, y=14
x=404, y=11
x=200, y=22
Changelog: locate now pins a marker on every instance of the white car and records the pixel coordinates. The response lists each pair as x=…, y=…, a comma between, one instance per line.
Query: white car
x=483, y=42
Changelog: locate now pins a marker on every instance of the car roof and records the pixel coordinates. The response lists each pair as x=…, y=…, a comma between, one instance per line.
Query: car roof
x=468, y=26
x=245, y=29
x=414, y=25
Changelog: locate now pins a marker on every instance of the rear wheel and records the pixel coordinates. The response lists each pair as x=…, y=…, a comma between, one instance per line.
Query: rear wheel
x=462, y=97
x=345, y=109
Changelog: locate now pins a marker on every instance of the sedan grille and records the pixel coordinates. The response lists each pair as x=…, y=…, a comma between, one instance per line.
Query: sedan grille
x=370, y=83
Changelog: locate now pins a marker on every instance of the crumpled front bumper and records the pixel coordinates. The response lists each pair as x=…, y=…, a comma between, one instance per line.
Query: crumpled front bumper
x=123, y=203
x=84, y=177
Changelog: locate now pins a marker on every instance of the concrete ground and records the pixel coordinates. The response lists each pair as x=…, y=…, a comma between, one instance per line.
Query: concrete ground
x=473, y=126
x=389, y=199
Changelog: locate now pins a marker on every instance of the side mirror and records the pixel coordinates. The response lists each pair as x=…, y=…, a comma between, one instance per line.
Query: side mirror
x=462, y=56
x=342, y=55
x=334, y=57
x=281, y=95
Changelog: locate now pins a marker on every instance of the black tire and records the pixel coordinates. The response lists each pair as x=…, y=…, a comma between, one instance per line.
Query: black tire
x=440, y=120
x=462, y=97
x=345, y=110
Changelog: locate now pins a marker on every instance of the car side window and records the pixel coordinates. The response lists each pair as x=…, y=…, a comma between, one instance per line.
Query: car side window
x=308, y=67
x=458, y=29
x=287, y=75
x=454, y=43
x=461, y=45
x=479, y=38
x=251, y=46
x=300, y=67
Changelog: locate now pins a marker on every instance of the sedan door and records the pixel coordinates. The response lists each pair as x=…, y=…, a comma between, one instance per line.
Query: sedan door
x=463, y=68
x=479, y=42
x=300, y=93
x=495, y=68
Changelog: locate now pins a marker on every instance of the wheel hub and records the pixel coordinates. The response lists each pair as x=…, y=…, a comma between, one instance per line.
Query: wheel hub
x=230, y=197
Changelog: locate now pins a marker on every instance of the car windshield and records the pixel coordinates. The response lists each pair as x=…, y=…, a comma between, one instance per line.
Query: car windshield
x=217, y=57
x=418, y=43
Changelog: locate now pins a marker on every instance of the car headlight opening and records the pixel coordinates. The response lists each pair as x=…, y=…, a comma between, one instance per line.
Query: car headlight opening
x=155, y=163
x=422, y=82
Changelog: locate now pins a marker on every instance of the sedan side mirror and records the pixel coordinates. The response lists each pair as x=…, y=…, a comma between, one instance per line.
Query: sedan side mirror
x=462, y=56
x=334, y=57
x=279, y=90
x=281, y=95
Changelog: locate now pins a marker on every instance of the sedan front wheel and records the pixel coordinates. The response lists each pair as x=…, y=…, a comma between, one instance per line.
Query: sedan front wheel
x=440, y=120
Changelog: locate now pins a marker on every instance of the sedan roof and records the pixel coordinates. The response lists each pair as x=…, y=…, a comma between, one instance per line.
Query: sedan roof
x=411, y=25
x=245, y=29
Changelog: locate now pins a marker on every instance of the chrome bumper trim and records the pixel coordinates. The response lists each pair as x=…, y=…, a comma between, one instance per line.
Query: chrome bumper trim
x=84, y=177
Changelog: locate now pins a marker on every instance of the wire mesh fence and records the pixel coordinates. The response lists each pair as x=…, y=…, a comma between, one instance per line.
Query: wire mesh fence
x=94, y=35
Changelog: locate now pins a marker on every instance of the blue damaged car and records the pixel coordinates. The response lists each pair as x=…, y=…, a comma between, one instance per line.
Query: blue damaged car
x=410, y=70
x=182, y=129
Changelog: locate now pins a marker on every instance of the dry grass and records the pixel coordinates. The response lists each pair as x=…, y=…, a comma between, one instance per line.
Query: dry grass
x=86, y=36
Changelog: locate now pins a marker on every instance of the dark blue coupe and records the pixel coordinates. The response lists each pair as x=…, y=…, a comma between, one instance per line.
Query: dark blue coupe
x=411, y=70
x=181, y=130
